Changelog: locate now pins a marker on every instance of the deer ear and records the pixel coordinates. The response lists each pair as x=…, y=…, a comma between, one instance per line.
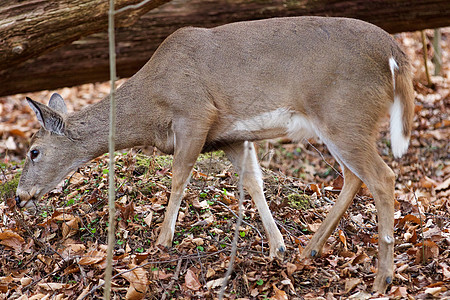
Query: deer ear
x=57, y=104
x=49, y=119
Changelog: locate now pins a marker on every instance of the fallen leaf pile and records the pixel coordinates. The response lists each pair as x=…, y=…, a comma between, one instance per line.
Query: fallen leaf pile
x=59, y=250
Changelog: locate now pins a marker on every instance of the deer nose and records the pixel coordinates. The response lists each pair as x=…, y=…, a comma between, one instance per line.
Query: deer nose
x=23, y=199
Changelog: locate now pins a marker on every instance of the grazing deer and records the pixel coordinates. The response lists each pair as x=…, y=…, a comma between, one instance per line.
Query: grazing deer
x=205, y=89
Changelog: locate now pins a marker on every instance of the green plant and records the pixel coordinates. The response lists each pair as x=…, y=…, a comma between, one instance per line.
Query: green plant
x=8, y=189
x=298, y=201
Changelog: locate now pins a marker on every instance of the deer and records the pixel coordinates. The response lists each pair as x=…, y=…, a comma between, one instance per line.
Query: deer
x=228, y=86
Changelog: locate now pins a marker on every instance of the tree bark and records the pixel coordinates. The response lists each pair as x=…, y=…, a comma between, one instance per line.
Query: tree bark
x=33, y=27
x=86, y=60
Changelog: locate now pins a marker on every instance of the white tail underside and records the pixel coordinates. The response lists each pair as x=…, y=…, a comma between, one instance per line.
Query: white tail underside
x=399, y=143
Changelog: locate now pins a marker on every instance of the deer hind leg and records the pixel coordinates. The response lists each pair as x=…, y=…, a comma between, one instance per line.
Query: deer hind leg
x=351, y=186
x=381, y=182
x=365, y=162
x=187, y=148
x=253, y=183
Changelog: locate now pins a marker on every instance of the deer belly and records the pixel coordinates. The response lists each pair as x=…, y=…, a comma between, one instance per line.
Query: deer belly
x=275, y=123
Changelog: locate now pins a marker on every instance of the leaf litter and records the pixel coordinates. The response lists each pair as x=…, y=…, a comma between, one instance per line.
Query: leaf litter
x=59, y=251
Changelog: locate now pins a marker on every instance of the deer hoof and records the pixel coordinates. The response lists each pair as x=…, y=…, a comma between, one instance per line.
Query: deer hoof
x=313, y=253
x=381, y=283
x=278, y=252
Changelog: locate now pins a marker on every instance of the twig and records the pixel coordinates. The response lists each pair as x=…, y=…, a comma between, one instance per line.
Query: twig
x=437, y=57
x=174, y=278
x=111, y=142
x=133, y=6
x=323, y=158
x=238, y=223
x=253, y=227
x=34, y=282
x=421, y=227
x=18, y=217
x=425, y=57
x=150, y=263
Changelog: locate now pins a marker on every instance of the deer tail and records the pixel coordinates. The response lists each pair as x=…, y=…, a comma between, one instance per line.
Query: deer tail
x=402, y=109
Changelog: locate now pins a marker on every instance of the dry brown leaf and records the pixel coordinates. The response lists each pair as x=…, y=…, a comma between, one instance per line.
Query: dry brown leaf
x=212, y=284
x=279, y=294
x=84, y=292
x=77, y=247
x=445, y=271
x=427, y=183
x=69, y=228
x=290, y=268
x=360, y=258
x=254, y=292
x=351, y=283
x=64, y=217
x=430, y=250
x=315, y=188
x=342, y=238
x=25, y=281
x=138, y=283
x=76, y=179
x=435, y=291
x=409, y=218
x=314, y=227
x=37, y=297
x=399, y=292
x=51, y=286
x=148, y=219
x=162, y=275
x=443, y=185
x=92, y=257
x=11, y=239
x=192, y=281
x=199, y=205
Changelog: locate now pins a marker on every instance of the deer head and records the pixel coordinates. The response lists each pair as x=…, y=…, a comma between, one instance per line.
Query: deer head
x=53, y=152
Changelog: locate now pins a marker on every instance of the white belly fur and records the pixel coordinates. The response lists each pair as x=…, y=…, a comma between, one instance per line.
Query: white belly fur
x=291, y=124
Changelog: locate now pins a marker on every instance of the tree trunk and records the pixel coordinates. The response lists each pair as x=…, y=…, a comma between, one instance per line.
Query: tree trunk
x=31, y=28
x=86, y=60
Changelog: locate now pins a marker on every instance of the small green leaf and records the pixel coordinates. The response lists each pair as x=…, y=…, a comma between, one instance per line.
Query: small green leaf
x=259, y=282
x=242, y=234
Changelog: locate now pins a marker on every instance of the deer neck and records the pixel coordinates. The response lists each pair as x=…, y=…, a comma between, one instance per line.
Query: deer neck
x=135, y=124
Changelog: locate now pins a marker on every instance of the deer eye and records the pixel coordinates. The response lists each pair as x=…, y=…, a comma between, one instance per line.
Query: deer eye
x=34, y=154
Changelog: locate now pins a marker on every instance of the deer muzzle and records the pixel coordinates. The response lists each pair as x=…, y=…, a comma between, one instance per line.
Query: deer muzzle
x=25, y=199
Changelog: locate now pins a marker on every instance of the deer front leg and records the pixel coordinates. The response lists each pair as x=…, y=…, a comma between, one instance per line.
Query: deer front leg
x=253, y=183
x=350, y=188
x=187, y=149
x=179, y=181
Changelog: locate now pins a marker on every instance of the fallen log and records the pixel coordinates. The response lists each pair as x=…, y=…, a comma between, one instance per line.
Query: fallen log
x=86, y=60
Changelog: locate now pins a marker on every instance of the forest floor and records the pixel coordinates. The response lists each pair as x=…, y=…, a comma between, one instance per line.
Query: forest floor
x=59, y=251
